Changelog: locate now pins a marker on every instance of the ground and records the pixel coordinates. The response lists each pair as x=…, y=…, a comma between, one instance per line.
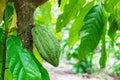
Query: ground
x=63, y=72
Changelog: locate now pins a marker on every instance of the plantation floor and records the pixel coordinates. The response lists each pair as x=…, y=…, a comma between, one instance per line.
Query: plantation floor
x=63, y=72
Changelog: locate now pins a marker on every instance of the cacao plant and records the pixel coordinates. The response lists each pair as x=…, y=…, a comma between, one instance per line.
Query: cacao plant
x=86, y=21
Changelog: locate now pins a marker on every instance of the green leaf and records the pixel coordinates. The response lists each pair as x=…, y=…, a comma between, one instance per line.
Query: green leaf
x=8, y=75
x=117, y=14
x=78, y=23
x=91, y=31
x=70, y=12
x=110, y=4
x=44, y=73
x=43, y=14
x=1, y=52
x=20, y=62
x=0, y=77
x=113, y=27
x=8, y=13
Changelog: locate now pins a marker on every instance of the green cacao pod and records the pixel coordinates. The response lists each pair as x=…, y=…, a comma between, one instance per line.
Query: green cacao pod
x=46, y=44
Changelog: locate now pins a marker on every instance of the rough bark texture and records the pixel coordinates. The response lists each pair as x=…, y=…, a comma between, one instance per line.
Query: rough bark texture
x=25, y=10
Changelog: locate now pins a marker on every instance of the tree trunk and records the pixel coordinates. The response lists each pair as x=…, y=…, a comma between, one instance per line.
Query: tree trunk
x=25, y=12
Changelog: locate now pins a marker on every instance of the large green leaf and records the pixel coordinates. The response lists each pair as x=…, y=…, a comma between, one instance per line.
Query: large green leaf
x=1, y=53
x=113, y=27
x=8, y=14
x=44, y=73
x=78, y=23
x=91, y=31
x=117, y=14
x=8, y=74
x=70, y=12
x=20, y=62
x=0, y=77
x=43, y=14
x=110, y=4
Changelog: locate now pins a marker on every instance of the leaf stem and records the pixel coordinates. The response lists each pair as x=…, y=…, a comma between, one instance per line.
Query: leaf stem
x=4, y=57
x=4, y=51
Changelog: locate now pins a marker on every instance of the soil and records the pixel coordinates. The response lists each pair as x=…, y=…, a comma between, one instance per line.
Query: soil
x=63, y=72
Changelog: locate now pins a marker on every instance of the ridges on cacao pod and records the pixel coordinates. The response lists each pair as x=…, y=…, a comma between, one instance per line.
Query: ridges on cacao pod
x=46, y=44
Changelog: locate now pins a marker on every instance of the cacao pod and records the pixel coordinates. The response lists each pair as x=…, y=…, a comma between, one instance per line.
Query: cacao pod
x=46, y=44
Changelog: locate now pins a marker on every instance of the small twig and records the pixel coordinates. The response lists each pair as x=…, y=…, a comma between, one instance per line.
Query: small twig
x=4, y=57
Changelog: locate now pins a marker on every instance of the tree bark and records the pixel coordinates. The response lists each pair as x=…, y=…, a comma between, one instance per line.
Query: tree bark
x=25, y=12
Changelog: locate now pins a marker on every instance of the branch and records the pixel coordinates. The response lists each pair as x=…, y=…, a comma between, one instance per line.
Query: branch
x=37, y=3
x=34, y=3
